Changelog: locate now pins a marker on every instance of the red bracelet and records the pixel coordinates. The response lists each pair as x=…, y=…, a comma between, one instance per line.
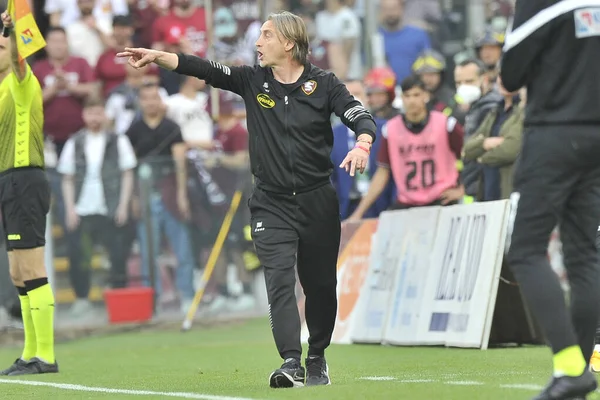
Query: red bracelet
x=358, y=146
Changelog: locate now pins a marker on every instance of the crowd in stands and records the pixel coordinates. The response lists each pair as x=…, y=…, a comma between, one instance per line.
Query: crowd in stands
x=104, y=120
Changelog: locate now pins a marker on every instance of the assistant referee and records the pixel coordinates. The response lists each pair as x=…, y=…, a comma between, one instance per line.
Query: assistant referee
x=294, y=208
x=24, y=203
x=554, y=50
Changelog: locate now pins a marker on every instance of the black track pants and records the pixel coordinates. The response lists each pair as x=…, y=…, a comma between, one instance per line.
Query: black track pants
x=558, y=181
x=302, y=229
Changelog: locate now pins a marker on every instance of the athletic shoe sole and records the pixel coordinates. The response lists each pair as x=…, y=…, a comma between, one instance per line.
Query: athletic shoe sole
x=282, y=380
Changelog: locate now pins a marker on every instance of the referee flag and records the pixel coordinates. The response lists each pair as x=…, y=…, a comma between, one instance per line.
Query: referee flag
x=29, y=38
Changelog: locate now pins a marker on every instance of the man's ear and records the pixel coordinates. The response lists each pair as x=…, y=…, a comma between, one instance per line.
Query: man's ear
x=289, y=45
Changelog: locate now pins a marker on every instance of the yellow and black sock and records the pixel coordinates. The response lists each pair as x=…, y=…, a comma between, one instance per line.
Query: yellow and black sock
x=30, y=347
x=41, y=300
x=569, y=362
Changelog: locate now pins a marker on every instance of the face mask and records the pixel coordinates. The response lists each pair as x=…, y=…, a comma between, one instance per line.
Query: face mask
x=468, y=94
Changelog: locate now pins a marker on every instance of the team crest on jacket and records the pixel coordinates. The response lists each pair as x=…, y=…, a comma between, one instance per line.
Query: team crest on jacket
x=309, y=87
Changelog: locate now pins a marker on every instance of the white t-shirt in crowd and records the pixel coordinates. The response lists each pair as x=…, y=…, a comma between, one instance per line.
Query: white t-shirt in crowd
x=104, y=9
x=191, y=116
x=337, y=27
x=85, y=42
x=91, y=199
x=123, y=118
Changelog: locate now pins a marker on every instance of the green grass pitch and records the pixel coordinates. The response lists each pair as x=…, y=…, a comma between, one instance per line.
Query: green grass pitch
x=234, y=362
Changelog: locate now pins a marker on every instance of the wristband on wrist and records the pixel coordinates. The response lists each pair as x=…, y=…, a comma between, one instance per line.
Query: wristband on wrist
x=358, y=146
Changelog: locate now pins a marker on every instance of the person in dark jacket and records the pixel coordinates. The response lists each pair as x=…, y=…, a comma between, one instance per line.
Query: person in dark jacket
x=294, y=208
x=476, y=97
x=552, y=49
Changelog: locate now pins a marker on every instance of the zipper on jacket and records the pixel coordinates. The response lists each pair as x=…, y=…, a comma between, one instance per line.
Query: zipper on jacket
x=290, y=144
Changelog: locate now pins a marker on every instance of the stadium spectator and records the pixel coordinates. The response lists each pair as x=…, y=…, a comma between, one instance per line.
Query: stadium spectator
x=340, y=27
x=184, y=20
x=245, y=12
x=419, y=149
x=380, y=86
x=88, y=36
x=229, y=165
x=318, y=47
x=145, y=13
x=489, y=48
x=475, y=96
x=123, y=105
x=66, y=81
x=188, y=109
x=431, y=69
x=65, y=12
x=110, y=70
x=402, y=44
x=158, y=141
x=229, y=46
x=97, y=168
x=496, y=146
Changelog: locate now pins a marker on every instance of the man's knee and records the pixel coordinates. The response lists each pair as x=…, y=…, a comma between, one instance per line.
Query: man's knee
x=14, y=271
x=280, y=280
x=30, y=263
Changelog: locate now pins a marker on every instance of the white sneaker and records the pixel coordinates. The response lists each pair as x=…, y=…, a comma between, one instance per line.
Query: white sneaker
x=244, y=302
x=81, y=308
x=219, y=305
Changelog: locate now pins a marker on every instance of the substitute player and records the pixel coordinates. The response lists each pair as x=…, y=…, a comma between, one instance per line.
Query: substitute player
x=24, y=202
x=419, y=150
x=553, y=51
x=294, y=208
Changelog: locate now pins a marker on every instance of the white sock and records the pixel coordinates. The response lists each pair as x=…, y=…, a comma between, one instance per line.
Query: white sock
x=597, y=348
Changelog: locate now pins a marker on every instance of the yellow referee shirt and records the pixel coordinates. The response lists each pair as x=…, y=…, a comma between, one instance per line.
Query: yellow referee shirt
x=21, y=122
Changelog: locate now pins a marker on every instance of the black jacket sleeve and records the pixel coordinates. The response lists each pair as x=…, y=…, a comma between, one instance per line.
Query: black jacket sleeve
x=234, y=79
x=349, y=110
x=524, y=43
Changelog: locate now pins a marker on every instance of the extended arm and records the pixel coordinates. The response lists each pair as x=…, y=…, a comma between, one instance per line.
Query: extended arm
x=18, y=66
x=214, y=73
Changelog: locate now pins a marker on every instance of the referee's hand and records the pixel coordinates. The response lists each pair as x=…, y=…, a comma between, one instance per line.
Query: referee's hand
x=7, y=20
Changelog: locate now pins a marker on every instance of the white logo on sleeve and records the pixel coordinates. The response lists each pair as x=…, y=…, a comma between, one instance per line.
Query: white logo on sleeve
x=587, y=22
x=259, y=227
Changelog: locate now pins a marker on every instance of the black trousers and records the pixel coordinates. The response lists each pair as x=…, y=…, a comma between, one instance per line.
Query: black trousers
x=303, y=229
x=96, y=229
x=558, y=181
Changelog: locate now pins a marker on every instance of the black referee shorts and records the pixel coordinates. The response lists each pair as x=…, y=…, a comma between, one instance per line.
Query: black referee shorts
x=24, y=203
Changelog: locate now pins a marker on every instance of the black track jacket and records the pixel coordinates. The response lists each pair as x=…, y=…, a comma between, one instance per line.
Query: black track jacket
x=289, y=125
x=554, y=50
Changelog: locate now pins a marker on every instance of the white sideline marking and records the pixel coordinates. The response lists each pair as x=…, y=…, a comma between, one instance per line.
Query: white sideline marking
x=416, y=381
x=464, y=383
x=377, y=378
x=522, y=386
x=81, y=388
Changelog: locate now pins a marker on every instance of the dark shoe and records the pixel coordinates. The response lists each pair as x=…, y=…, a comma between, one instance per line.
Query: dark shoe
x=291, y=374
x=317, y=371
x=14, y=367
x=569, y=387
x=35, y=366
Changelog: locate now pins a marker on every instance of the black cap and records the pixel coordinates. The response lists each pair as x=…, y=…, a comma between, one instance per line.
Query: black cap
x=122, y=20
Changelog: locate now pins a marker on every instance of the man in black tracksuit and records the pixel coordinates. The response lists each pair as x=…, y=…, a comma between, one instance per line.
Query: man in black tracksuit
x=553, y=49
x=294, y=208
